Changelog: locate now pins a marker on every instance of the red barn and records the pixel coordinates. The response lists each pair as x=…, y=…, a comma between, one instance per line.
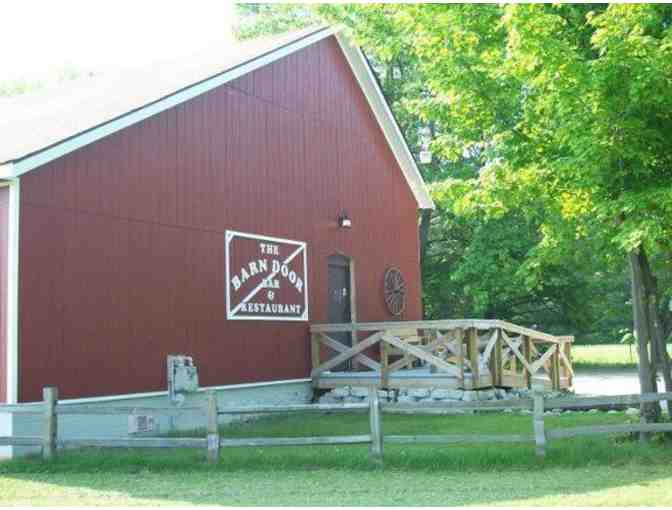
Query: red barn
x=214, y=210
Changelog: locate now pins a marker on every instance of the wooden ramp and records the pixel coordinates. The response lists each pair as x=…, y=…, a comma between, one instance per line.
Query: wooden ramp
x=460, y=354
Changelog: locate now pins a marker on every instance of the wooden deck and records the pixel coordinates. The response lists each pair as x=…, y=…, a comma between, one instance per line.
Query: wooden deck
x=422, y=378
x=451, y=354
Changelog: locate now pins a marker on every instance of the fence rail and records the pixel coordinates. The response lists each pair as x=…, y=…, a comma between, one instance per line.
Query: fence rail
x=50, y=409
x=539, y=435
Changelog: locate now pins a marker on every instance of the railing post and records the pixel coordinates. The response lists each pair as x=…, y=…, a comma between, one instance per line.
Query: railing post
x=538, y=417
x=50, y=433
x=568, y=355
x=473, y=358
x=555, y=366
x=376, y=448
x=527, y=354
x=213, y=428
x=384, y=363
x=315, y=349
x=496, y=360
x=459, y=344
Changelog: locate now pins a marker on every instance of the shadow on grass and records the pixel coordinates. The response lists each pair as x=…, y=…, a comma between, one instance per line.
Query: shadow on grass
x=484, y=474
x=606, y=367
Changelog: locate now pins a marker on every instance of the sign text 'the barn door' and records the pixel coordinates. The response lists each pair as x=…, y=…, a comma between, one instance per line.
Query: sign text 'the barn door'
x=266, y=278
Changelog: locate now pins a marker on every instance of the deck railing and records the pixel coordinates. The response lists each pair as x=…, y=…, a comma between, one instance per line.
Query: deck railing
x=470, y=354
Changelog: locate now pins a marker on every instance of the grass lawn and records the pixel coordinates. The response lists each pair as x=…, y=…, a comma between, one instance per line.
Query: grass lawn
x=579, y=472
x=606, y=356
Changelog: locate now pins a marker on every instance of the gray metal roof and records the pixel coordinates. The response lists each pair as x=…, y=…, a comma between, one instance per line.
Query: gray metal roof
x=32, y=122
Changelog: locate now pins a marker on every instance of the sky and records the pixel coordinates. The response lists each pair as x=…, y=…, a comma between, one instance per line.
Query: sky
x=40, y=38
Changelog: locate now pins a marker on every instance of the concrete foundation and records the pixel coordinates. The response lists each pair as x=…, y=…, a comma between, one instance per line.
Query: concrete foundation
x=297, y=391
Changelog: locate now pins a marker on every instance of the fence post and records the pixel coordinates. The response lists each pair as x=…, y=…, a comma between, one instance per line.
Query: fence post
x=527, y=354
x=376, y=448
x=539, y=434
x=473, y=358
x=50, y=397
x=213, y=429
x=384, y=363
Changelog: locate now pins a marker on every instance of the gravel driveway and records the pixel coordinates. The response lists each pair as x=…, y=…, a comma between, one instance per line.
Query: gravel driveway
x=608, y=382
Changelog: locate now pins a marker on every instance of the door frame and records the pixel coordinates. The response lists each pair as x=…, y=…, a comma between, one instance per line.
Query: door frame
x=353, y=297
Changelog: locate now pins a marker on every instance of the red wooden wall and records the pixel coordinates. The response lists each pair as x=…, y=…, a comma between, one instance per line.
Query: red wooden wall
x=4, y=224
x=122, y=241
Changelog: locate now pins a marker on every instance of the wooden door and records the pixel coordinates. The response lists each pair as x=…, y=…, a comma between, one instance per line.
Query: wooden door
x=339, y=300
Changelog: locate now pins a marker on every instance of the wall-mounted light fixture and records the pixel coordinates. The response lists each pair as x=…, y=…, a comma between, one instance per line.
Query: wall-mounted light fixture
x=344, y=220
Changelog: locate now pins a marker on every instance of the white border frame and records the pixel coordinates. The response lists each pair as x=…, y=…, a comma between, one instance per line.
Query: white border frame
x=230, y=236
x=12, y=293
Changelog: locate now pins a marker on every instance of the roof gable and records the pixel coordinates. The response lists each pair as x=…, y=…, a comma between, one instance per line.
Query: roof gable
x=79, y=116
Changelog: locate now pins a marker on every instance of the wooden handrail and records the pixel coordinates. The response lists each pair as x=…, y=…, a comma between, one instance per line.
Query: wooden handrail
x=477, y=360
x=481, y=324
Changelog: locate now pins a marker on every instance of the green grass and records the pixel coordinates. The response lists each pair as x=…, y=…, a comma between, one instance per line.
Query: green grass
x=583, y=471
x=606, y=356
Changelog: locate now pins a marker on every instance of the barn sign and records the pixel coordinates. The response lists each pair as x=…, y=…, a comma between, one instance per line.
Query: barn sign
x=266, y=278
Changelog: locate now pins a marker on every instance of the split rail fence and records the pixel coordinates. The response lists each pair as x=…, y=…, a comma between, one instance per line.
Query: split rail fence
x=213, y=442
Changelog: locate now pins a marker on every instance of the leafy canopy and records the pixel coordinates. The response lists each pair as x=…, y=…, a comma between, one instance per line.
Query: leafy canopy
x=566, y=104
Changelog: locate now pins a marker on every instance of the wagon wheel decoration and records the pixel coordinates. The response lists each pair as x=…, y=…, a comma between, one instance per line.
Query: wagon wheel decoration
x=395, y=291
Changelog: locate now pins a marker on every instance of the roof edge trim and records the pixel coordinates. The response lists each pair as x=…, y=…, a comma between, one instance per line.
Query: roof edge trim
x=395, y=139
x=21, y=166
x=356, y=60
x=7, y=170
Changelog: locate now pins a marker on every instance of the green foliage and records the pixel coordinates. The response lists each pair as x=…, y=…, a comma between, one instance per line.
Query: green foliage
x=567, y=112
x=255, y=20
x=492, y=266
x=579, y=123
x=19, y=86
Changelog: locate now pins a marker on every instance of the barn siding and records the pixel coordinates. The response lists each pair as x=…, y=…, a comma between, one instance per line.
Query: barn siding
x=4, y=251
x=122, y=241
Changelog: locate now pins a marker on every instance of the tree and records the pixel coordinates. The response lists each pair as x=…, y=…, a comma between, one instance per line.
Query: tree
x=255, y=20
x=568, y=106
x=461, y=247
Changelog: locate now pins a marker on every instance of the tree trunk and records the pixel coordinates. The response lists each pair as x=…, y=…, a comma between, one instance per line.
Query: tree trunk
x=659, y=350
x=640, y=309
